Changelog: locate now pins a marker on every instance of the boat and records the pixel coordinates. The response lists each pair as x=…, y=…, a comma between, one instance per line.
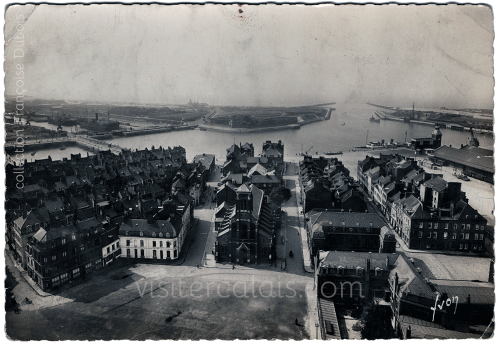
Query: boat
x=334, y=153
x=373, y=119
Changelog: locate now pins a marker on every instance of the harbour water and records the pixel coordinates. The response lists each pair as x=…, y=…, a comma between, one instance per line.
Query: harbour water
x=348, y=127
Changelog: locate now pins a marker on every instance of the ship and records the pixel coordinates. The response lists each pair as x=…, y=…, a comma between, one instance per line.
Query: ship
x=62, y=121
x=373, y=119
x=334, y=153
x=100, y=126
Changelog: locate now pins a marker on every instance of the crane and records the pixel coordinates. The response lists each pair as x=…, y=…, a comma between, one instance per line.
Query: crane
x=305, y=153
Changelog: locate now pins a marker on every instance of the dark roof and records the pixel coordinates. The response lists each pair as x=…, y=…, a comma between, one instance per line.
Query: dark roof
x=45, y=236
x=351, y=260
x=135, y=226
x=473, y=157
x=436, y=183
x=346, y=219
x=205, y=159
x=264, y=179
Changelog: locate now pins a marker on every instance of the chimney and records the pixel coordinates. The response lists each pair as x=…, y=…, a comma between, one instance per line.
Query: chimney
x=408, y=332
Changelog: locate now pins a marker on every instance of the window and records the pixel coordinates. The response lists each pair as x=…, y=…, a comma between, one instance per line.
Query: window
x=126, y=233
x=44, y=260
x=82, y=247
x=63, y=241
x=467, y=236
x=161, y=243
x=463, y=226
x=436, y=225
x=341, y=270
x=466, y=246
x=429, y=226
x=454, y=236
x=359, y=271
x=64, y=277
x=64, y=254
x=73, y=237
x=435, y=234
x=429, y=235
x=154, y=243
x=476, y=237
x=475, y=247
x=154, y=254
x=477, y=227
x=480, y=248
x=160, y=234
x=112, y=247
x=445, y=235
x=142, y=243
x=168, y=244
x=378, y=272
x=108, y=250
x=468, y=227
x=482, y=227
x=76, y=272
x=481, y=237
x=142, y=234
x=455, y=226
x=97, y=262
x=128, y=252
x=420, y=234
x=154, y=234
x=142, y=253
x=88, y=265
x=461, y=246
x=168, y=253
x=128, y=243
x=446, y=226
x=462, y=235
x=421, y=225
x=54, y=258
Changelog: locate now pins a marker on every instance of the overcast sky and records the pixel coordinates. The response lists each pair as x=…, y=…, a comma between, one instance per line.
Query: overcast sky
x=267, y=55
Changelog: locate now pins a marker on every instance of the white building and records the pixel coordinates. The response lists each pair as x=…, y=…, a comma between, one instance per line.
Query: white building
x=159, y=239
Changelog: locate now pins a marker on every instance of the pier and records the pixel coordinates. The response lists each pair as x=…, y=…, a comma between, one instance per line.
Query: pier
x=86, y=143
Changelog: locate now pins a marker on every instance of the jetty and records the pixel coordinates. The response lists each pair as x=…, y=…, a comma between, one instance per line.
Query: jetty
x=86, y=143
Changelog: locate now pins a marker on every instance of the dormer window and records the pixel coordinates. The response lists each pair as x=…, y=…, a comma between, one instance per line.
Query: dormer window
x=141, y=234
x=359, y=271
x=378, y=272
x=126, y=233
x=340, y=270
x=154, y=234
x=160, y=234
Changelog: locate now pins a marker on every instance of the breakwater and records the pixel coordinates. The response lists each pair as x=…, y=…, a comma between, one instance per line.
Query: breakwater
x=157, y=130
x=83, y=143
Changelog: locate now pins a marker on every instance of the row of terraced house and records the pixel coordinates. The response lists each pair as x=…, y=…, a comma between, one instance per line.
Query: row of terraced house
x=76, y=215
x=425, y=210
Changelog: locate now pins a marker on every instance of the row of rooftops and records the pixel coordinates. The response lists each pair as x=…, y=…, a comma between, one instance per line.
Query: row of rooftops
x=425, y=275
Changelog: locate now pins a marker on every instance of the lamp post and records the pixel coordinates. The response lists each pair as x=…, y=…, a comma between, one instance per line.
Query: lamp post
x=317, y=327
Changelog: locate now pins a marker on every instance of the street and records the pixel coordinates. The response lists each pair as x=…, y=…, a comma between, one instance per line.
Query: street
x=143, y=301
